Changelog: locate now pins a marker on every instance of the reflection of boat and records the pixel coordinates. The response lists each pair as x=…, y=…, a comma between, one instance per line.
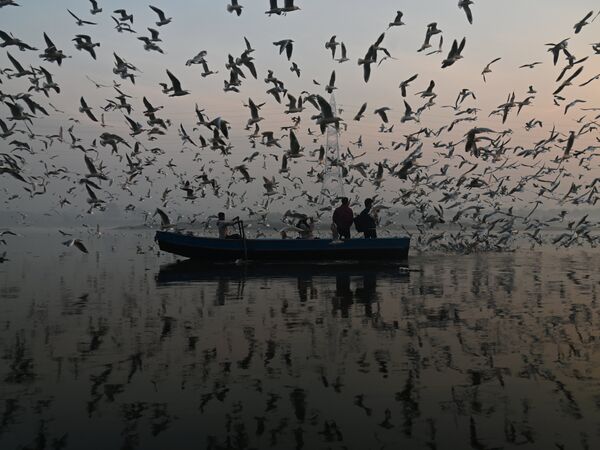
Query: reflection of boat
x=193, y=270
x=213, y=249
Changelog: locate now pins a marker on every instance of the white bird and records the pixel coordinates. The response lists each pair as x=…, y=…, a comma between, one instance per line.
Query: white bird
x=163, y=20
x=84, y=108
x=331, y=44
x=95, y=9
x=331, y=86
x=465, y=5
x=235, y=7
x=77, y=243
x=382, y=113
x=175, y=89
x=344, y=57
x=397, y=21
x=487, y=69
x=455, y=53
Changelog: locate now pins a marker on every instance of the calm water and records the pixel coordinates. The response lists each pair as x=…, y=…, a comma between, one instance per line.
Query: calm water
x=121, y=349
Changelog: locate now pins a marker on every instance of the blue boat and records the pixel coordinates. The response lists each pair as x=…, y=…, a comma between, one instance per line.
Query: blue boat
x=228, y=250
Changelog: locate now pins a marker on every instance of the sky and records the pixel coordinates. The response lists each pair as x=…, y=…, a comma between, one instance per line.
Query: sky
x=513, y=30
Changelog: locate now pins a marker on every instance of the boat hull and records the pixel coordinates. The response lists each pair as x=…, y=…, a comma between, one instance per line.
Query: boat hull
x=212, y=249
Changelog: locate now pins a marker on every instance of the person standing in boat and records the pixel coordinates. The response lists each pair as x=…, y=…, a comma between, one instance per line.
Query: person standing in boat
x=343, y=217
x=365, y=222
x=223, y=227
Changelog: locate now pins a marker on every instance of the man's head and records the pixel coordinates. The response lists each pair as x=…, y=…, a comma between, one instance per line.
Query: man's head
x=345, y=201
x=368, y=202
x=221, y=216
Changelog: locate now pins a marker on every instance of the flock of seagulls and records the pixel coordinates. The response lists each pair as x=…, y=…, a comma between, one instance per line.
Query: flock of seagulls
x=462, y=173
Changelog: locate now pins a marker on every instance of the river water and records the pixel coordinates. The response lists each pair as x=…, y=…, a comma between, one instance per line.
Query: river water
x=125, y=348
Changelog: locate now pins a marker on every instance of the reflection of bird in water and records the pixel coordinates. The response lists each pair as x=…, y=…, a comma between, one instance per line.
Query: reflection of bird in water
x=77, y=243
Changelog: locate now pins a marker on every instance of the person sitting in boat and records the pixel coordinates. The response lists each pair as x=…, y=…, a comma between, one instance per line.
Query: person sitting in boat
x=306, y=226
x=343, y=217
x=365, y=222
x=223, y=226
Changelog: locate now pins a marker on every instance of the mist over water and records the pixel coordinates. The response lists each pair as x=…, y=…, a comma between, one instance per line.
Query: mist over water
x=124, y=348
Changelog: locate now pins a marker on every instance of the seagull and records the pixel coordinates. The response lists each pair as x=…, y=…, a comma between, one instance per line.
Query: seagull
x=124, y=16
x=405, y=83
x=77, y=243
x=295, y=69
x=235, y=7
x=332, y=45
x=8, y=3
x=161, y=16
x=431, y=31
x=590, y=80
x=84, y=108
x=465, y=4
x=408, y=113
x=175, y=89
x=331, y=86
x=429, y=91
x=287, y=45
x=567, y=82
x=487, y=69
x=154, y=35
x=454, y=54
x=95, y=9
x=273, y=9
x=360, y=114
x=20, y=72
x=326, y=117
x=9, y=40
x=397, y=21
x=51, y=53
x=382, y=113
x=84, y=42
x=79, y=21
x=530, y=65
x=288, y=6
x=254, y=117
x=344, y=57
x=370, y=58
x=583, y=22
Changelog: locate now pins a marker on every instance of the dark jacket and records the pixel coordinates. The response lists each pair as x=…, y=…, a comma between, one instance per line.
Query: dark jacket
x=365, y=221
x=343, y=217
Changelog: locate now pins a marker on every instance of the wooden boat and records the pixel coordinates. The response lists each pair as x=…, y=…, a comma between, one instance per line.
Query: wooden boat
x=223, y=250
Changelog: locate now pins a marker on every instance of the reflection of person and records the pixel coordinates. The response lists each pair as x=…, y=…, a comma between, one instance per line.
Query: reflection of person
x=343, y=218
x=343, y=295
x=367, y=294
x=224, y=225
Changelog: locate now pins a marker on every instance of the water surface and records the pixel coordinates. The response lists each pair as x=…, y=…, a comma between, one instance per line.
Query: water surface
x=122, y=348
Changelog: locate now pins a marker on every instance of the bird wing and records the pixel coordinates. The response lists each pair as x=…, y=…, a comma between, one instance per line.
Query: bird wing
x=332, y=79
x=174, y=81
x=147, y=104
x=91, y=193
x=161, y=14
x=76, y=18
x=324, y=106
x=90, y=165
x=294, y=144
x=15, y=63
x=468, y=13
x=49, y=43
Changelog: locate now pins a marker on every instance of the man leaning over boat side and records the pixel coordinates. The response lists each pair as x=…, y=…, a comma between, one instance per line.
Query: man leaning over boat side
x=223, y=227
